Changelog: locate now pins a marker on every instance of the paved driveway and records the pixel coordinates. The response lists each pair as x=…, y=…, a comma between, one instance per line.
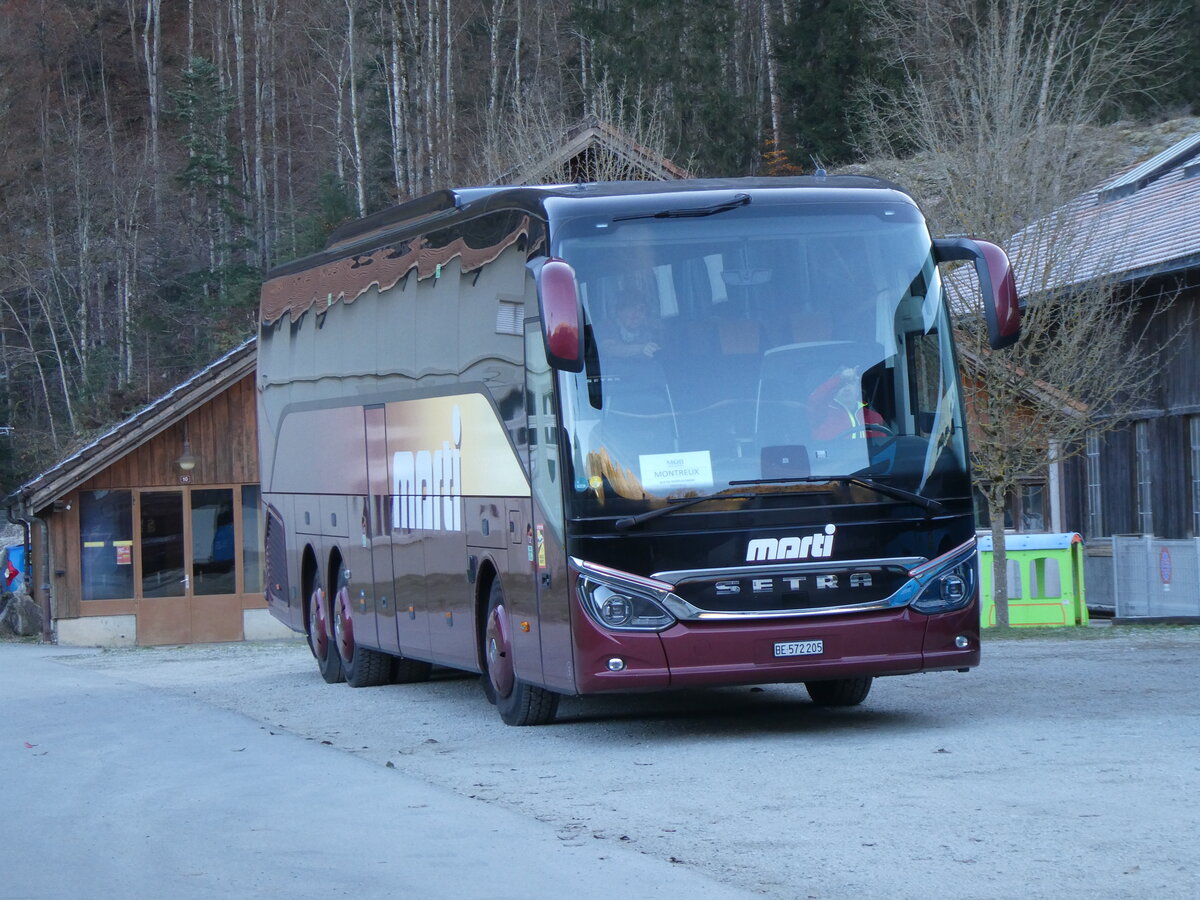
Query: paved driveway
x=1059, y=768
x=116, y=789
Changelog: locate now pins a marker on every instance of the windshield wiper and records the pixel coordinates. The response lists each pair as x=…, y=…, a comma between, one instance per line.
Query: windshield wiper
x=693, y=212
x=629, y=521
x=931, y=506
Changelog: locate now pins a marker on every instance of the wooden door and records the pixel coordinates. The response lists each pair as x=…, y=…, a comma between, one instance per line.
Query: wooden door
x=215, y=607
x=188, y=586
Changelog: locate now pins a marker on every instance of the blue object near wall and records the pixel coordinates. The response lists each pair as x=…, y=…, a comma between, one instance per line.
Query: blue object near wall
x=15, y=567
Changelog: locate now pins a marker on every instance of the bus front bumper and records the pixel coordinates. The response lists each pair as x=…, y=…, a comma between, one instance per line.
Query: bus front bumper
x=693, y=654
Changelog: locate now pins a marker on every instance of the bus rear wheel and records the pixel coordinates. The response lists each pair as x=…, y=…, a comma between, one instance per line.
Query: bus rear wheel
x=839, y=691
x=363, y=667
x=518, y=703
x=329, y=663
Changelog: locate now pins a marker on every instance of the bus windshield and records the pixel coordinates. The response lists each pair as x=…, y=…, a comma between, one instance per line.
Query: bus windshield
x=757, y=348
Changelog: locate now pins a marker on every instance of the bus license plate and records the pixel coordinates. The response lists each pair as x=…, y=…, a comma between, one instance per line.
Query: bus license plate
x=799, y=648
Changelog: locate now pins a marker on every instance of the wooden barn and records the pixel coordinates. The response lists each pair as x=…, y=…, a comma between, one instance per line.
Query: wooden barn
x=593, y=150
x=1140, y=229
x=151, y=534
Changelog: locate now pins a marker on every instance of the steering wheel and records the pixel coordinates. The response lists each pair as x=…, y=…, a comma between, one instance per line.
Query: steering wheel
x=869, y=430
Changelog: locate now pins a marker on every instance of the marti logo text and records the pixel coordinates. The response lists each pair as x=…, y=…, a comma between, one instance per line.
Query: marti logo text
x=427, y=484
x=809, y=546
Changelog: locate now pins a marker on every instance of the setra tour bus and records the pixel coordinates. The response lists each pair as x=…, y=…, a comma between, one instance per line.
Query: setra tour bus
x=625, y=437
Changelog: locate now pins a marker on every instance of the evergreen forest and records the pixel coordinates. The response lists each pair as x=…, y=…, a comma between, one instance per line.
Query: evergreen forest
x=157, y=158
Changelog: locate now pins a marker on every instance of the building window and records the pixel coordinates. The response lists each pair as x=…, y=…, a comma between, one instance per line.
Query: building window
x=167, y=559
x=1024, y=509
x=213, y=542
x=161, y=546
x=1145, y=509
x=252, y=539
x=1194, y=441
x=1033, y=507
x=106, y=544
x=1095, y=516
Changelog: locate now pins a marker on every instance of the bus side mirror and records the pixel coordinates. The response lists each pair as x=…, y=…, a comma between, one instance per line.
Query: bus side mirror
x=562, y=315
x=1001, y=307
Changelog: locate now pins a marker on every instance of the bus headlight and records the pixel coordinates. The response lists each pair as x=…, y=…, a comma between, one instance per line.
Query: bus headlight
x=946, y=583
x=621, y=607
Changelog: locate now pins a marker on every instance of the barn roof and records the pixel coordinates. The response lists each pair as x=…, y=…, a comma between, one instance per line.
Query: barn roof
x=1141, y=222
x=66, y=475
x=571, y=158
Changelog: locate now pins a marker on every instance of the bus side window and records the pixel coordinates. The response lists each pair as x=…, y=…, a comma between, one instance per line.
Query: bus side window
x=923, y=370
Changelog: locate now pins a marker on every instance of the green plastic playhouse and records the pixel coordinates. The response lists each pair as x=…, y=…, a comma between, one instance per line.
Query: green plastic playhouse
x=1045, y=580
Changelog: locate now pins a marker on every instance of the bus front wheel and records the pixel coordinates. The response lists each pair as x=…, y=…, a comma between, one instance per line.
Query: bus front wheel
x=839, y=691
x=518, y=703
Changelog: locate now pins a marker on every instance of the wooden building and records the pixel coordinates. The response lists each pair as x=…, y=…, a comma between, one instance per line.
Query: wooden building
x=1035, y=504
x=1140, y=229
x=151, y=534
x=592, y=150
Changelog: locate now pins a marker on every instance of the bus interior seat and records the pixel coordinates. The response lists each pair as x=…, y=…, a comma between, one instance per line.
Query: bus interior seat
x=812, y=325
x=738, y=337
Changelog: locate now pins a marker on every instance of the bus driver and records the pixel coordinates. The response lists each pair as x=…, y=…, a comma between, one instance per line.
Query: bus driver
x=837, y=410
x=633, y=335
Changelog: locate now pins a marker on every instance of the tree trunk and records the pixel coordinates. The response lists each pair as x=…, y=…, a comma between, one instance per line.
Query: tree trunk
x=263, y=59
x=360, y=178
x=448, y=154
x=497, y=26
x=432, y=73
x=518, y=39
x=152, y=53
x=1048, y=65
x=999, y=556
x=772, y=77
x=395, y=93
x=237, y=21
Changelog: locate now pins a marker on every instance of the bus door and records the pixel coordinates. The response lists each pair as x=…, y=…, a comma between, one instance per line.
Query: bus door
x=373, y=534
x=545, y=551
x=400, y=551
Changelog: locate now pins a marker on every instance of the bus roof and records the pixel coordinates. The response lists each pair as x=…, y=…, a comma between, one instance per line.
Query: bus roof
x=442, y=209
x=435, y=207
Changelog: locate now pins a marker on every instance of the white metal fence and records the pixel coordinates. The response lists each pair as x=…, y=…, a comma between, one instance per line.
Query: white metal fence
x=1153, y=578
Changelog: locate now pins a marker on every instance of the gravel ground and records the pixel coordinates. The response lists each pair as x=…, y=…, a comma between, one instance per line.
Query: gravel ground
x=1065, y=766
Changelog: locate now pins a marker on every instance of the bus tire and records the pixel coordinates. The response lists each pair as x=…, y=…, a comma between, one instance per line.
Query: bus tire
x=409, y=671
x=518, y=703
x=839, y=691
x=329, y=663
x=363, y=667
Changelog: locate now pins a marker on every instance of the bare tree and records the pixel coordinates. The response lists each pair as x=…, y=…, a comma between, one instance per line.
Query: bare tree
x=264, y=95
x=152, y=56
x=360, y=175
x=1083, y=365
x=1003, y=97
x=774, y=99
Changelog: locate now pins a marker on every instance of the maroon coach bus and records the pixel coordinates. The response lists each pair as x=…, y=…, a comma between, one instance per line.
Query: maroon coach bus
x=625, y=437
